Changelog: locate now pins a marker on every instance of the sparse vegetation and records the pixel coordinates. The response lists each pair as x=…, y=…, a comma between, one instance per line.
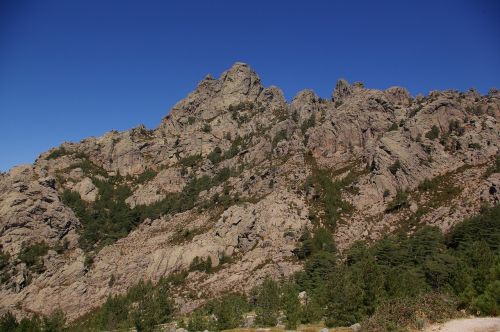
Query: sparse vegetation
x=494, y=167
x=280, y=136
x=56, y=153
x=32, y=256
x=4, y=264
x=433, y=133
x=475, y=146
x=215, y=156
x=206, y=128
x=399, y=202
x=395, y=167
x=308, y=123
x=146, y=176
x=191, y=161
x=456, y=128
x=201, y=264
x=394, y=126
x=330, y=193
x=440, y=190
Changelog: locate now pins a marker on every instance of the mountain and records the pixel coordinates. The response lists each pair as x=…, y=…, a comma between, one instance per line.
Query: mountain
x=230, y=181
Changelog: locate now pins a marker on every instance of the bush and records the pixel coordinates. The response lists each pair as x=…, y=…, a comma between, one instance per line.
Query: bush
x=330, y=194
x=280, y=136
x=488, y=304
x=32, y=255
x=475, y=146
x=146, y=176
x=106, y=220
x=191, y=161
x=400, y=313
x=52, y=323
x=309, y=123
x=494, y=168
x=455, y=127
x=200, y=264
x=56, y=153
x=395, y=167
x=399, y=202
x=267, y=303
x=215, y=156
x=433, y=133
x=394, y=126
x=206, y=128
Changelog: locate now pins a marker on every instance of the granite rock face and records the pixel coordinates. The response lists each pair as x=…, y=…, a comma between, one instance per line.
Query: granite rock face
x=253, y=155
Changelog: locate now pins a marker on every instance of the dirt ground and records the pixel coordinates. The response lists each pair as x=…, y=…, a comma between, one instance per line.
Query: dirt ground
x=486, y=324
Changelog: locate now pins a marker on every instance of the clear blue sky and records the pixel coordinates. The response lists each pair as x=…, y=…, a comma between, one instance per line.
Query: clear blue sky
x=71, y=69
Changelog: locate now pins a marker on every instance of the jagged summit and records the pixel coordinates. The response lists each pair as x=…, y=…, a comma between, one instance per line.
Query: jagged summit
x=232, y=174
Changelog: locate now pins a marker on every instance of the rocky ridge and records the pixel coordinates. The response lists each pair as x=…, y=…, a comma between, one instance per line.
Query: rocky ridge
x=245, y=161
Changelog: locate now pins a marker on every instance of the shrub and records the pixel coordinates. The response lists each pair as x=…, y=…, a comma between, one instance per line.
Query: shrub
x=200, y=264
x=199, y=321
x=206, y=128
x=395, y=167
x=191, y=161
x=280, y=136
x=54, y=322
x=56, y=153
x=215, y=156
x=32, y=255
x=330, y=193
x=475, y=146
x=146, y=176
x=494, y=168
x=394, y=126
x=407, y=313
x=455, y=127
x=310, y=122
x=433, y=133
x=4, y=263
x=399, y=202
x=267, y=303
x=237, y=145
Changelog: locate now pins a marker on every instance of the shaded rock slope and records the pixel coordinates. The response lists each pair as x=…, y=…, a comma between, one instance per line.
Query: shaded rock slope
x=237, y=174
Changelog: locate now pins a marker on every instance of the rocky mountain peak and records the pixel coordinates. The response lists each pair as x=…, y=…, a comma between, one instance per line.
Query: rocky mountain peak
x=237, y=175
x=342, y=90
x=240, y=82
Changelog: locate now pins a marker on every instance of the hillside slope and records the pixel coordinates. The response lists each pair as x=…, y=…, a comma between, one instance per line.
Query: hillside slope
x=237, y=174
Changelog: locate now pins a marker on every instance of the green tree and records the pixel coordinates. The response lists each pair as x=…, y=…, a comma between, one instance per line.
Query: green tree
x=268, y=303
x=345, y=299
x=198, y=321
x=54, y=322
x=291, y=305
x=8, y=322
x=229, y=311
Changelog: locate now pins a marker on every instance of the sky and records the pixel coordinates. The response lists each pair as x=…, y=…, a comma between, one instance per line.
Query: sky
x=79, y=68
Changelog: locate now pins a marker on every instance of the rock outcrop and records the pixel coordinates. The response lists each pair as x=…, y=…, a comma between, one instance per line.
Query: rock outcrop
x=228, y=174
